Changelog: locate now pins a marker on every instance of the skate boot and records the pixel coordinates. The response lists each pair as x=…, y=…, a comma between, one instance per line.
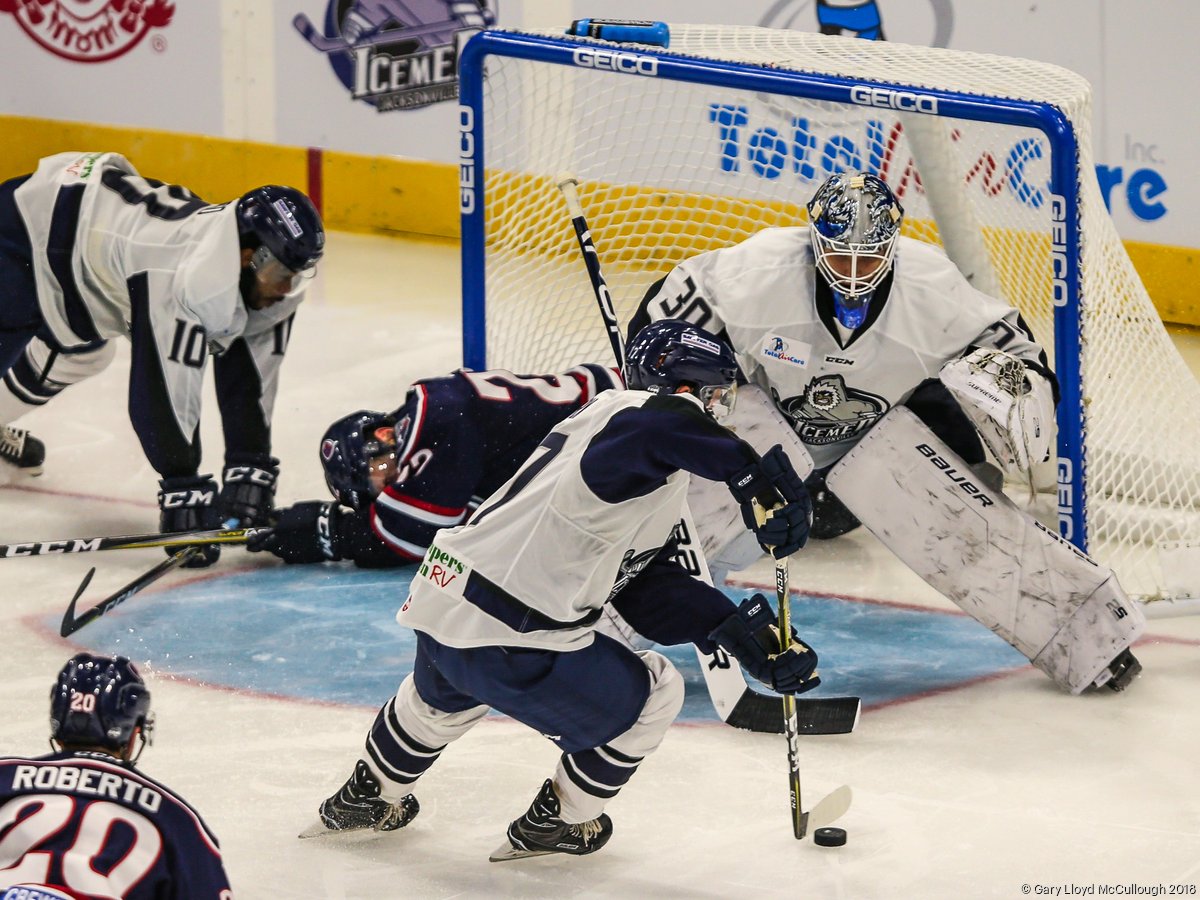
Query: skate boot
x=1124, y=669
x=21, y=449
x=358, y=806
x=541, y=831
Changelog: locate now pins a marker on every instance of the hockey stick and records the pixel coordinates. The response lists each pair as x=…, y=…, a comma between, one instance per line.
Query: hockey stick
x=130, y=542
x=568, y=184
x=72, y=623
x=320, y=41
x=834, y=806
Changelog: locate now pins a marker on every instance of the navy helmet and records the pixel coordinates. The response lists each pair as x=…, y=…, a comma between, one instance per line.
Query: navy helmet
x=100, y=701
x=855, y=221
x=281, y=224
x=671, y=354
x=347, y=449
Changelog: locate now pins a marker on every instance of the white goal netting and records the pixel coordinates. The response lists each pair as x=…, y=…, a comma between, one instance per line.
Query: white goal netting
x=732, y=128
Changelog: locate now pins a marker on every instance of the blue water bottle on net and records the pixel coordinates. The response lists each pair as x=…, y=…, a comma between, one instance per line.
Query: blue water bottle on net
x=623, y=31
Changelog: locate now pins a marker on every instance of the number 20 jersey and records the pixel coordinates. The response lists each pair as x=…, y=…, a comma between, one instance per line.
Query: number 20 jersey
x=84, y=822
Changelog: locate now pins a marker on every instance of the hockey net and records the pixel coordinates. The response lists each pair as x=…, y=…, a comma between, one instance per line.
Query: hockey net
x=731, y=129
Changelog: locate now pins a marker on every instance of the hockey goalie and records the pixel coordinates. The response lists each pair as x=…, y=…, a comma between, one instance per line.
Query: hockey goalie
x=902, y=391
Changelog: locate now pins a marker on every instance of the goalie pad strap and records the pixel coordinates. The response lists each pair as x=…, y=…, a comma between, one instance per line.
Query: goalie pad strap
x=1058, y=607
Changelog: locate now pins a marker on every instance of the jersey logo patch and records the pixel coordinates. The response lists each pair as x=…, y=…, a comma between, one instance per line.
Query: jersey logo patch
x=794, y=353
x=828, y=411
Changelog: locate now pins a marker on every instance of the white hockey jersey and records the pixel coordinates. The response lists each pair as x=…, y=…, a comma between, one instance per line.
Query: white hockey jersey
x=118, y=254
x=591, y=508
x=762, y=293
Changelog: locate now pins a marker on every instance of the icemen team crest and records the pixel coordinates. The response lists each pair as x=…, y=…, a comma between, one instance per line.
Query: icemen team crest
x=828, y=411
x=86, y=30
x=397, y=54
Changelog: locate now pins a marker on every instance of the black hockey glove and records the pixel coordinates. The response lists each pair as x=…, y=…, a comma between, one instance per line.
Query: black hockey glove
x=248, y=489
x=303, y=533
x=786, y=529
x=189, y=504
x=751, y=636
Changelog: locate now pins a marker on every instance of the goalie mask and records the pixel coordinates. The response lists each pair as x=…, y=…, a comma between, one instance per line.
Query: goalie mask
x=855, y=221
x=100, y=701
x=351, y=448
x=671, y=354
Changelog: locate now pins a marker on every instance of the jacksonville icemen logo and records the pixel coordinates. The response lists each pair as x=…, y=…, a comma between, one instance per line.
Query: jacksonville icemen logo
x=397, y=54
x=631, y=565
x=828, y=411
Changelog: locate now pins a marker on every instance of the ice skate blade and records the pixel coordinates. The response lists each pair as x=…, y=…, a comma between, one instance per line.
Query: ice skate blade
x=318, y=830
x=507, y=851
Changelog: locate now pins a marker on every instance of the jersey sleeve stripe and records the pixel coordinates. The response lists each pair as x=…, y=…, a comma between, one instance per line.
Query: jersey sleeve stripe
x=403, y=547
x=429, y=513
x=60, y=249
x=420, y=402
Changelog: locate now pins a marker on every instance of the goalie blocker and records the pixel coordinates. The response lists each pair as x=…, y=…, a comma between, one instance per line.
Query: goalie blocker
x=1063, y=611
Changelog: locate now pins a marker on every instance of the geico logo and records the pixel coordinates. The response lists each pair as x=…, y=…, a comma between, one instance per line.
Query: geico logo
x=1066, y=498
x=1058, y=248
x=902, y=100
x=631, y=63
x=466, y=159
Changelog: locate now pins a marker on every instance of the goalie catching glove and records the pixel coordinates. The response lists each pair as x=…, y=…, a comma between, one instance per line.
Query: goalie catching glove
x=1010, y=406
x=751, y=636
x=784, y=530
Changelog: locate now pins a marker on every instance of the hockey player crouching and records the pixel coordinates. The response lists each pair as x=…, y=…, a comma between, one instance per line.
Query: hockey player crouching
x=893, y=372
x=505, y=607
x=89, y=251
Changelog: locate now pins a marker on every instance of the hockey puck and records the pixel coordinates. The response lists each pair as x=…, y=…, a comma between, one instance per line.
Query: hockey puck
x=829, y=837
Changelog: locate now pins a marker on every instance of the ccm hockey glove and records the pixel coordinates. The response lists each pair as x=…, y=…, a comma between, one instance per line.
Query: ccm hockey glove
x=751, y=636
x=303, y=533
x=762, y=485
x=189, y=504
x=248, y=489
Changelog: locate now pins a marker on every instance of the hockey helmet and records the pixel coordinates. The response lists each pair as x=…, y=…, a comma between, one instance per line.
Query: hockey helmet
x=100, y=701
x=855, y=221
x=670, y=354
x=347, y=449
x=284, y=229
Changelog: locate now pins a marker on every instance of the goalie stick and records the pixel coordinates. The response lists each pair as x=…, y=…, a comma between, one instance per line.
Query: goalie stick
x=72, y=623
x=735, y=701
x=129, y=542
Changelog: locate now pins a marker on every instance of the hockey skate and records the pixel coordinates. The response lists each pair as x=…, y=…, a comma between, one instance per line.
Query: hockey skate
x=358, y=806
x=540, y=831
x=20, y=449
x=1122, y=671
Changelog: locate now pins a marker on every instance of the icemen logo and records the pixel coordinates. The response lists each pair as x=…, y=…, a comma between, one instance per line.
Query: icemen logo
x=775, y=347
x=829, y=411
x=90, y=32
x=397, y=54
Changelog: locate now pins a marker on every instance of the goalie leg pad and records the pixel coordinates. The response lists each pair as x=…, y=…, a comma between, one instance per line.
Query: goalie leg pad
x=726, y=543
x=1053, y=603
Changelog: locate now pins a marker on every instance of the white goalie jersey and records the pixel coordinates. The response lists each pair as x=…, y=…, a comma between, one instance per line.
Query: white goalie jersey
x=833, y=385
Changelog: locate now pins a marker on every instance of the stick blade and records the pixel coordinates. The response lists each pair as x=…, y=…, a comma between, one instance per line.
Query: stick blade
x=823, y=715
x=828, y=810
x=70, y=624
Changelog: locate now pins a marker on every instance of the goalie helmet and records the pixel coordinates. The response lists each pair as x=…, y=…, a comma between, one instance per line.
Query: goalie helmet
x=347, y=449
x=100, y=701
x=855, y=221
x=671, y=354
x=284, y=229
